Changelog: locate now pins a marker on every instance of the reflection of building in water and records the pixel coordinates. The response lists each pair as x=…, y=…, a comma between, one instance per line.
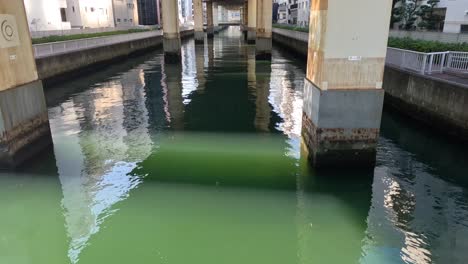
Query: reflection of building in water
x=189, y=70
x=171, y=82
x=286, y=96
x=94, y=164
x=420, y=217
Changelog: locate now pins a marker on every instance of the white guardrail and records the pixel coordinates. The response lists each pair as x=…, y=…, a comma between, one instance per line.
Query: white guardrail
x=53, y=48
x=428, y=63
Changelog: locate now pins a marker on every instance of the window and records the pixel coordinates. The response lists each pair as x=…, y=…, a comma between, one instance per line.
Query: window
x=464, y=29
x=92, y=9
x=63, y=14
x=125, y=20
x=73, y=9
x=86, y=9
x=131, y=20
x=118, y=19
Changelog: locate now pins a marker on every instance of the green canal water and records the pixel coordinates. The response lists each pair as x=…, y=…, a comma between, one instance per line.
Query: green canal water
x=203, y=163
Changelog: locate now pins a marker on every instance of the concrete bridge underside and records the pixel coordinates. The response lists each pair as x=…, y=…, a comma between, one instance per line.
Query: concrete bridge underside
x=343, y=91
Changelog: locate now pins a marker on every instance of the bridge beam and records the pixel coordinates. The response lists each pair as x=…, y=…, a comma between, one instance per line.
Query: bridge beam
x=24, y=123
x=252, y=21
x=198, y=21
x=342, y=95
x=209, y=19
x=264, y=24
x=171, y=39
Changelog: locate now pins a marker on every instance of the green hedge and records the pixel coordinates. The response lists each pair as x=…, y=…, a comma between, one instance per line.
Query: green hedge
x=56, y=38
x=291, y=27
x=425, y=45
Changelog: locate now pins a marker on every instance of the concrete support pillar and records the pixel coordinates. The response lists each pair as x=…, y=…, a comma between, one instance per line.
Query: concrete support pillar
x=24, y=123
x=245, y=10
x=198, y=21
x=209, y=19
x=343, y=94
x=171, y=40
x=264, y=24
x=252, y=22
x=215, y=18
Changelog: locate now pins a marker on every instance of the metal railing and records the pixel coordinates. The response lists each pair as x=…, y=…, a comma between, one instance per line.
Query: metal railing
x=75, y=31
x=428, y=63
x=457, y=61
x=54, y=48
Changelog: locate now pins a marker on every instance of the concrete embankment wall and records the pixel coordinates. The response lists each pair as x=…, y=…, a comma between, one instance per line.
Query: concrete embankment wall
x=438, y=103
x=56, y=67
x=441, y=104
x=292, y=40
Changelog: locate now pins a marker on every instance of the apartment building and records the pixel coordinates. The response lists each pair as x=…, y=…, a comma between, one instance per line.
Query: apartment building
x=149, y=12
x=125, y=13
x=90, y=13
x=303, y=13
x=53, y=17
x=456, y=15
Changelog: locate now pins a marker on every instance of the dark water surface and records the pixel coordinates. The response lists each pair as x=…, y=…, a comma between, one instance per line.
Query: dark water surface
x=202, y=163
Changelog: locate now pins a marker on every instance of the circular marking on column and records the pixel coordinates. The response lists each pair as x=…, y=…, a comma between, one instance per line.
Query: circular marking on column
x=7, y=30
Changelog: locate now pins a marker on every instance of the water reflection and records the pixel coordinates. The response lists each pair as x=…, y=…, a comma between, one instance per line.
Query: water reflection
x=99, y=135
x=202, y=162
x=416, y=215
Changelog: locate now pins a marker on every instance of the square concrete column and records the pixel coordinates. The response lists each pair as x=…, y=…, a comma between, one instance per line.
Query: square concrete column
x=264, y=24
x=252, y=22
x=171, y=39
x=215, y=18
x=245, y=18
x=209, y=19
x=24, y=123
x=343, y=94
x=198, y=21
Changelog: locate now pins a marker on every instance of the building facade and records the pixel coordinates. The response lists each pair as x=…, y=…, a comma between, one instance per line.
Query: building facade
x=125, y=13
x=54, y=17
x=283, y=11
x=303, y=13
x=90, y=13
x=149, y=12
x=185, y=11
x=456, y=15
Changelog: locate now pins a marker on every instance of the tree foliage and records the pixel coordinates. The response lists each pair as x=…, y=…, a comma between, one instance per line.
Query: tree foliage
x=410, y=12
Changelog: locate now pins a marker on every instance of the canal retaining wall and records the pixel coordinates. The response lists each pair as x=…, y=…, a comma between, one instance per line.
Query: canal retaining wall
x=54, y=68
x=437, y=102
x=293, y=40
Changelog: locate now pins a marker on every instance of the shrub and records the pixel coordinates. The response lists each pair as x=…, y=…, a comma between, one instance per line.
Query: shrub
x=291, y=27
x=425, y=45
x=56, y=38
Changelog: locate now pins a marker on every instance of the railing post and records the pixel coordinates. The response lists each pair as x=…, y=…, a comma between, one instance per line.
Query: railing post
x=449, y=63
x=423, y=66
x=431, y=61
x=403, y=61
x=442, y=63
